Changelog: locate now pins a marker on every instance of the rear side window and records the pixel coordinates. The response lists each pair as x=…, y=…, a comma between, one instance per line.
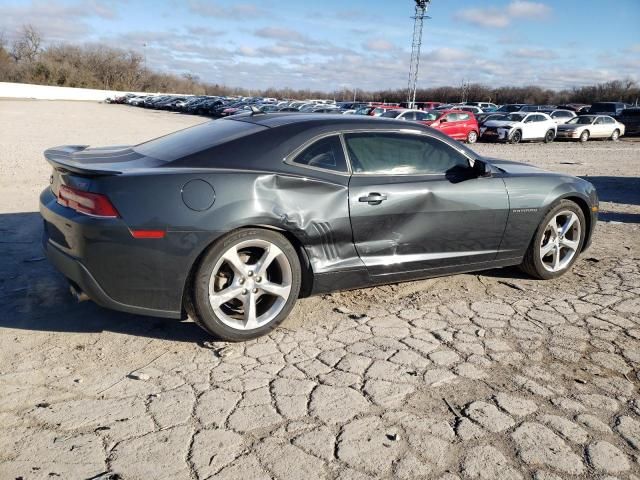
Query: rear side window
x=196, y=139
x=463, y=116
x=608, y=120
x=401, y=154
x=326, y=153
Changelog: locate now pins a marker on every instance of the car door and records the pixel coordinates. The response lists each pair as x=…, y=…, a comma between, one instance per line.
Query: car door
x=448, y=125
x=600, y=128
x=415, y=205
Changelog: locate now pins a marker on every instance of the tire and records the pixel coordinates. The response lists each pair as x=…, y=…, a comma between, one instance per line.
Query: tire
x=472, y=136
x=549, y=136
x=584, y=136
x=231, y=275
x=615, y=135
x=566, y=249
x=516, y=137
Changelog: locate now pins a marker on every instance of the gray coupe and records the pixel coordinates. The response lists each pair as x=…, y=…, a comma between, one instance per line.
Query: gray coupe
x=231, y=221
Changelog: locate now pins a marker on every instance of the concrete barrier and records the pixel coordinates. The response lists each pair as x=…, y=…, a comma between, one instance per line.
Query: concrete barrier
x=45, y=92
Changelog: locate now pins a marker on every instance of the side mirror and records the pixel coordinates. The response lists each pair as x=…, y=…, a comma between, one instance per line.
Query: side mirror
x=443, y=120
x=481, y=169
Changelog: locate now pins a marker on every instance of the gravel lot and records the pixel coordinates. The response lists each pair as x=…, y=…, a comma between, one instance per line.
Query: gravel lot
x=479, y=376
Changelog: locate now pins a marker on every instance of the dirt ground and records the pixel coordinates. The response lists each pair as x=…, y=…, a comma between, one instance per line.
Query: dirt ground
x=480, y=376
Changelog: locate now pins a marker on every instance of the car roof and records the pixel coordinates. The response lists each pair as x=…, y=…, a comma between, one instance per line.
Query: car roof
x=272, y=120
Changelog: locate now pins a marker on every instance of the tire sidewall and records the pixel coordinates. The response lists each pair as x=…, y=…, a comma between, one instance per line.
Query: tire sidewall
x=535, y=244
x=584, y=136
x=615, y=137
x=200, y=293
x=516, y=137
x=549, y=136
x=472, y=136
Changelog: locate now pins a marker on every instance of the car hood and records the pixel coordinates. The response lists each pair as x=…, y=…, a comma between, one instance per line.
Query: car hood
x=500, y=123
x=515, y=167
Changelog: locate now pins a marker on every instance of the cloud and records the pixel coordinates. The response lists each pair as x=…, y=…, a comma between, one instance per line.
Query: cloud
x=279, y=33
x=532, y=53
x=484, y=17
x=379, y=45
x=213, y=9
x=525, y=9
x=55, y=20
x=492, y=17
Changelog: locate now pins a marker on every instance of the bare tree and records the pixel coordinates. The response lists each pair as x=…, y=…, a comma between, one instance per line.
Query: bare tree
x=27, y=46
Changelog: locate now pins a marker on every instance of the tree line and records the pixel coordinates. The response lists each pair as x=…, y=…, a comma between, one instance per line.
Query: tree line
x=28, y=60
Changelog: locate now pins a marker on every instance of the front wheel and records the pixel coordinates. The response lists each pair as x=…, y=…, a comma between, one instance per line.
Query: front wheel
x=557, y=242
x=615, y=135
x=472, y=137
x=246, y=284
x=549, y=136
x=584, y=136
x=516, y=137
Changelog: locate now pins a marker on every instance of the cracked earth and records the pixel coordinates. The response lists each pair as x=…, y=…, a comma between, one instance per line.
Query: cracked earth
x=480, y=376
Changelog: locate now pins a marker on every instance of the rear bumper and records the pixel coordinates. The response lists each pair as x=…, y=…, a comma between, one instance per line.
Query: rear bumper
x=102, y=258
x=76, y=272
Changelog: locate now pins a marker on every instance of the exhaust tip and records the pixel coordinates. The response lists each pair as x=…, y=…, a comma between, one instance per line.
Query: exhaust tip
x=78, y=294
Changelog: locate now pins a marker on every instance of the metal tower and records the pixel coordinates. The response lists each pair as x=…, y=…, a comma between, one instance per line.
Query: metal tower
x=420, y=14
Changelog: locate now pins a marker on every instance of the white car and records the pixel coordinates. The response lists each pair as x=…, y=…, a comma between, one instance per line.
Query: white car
x=519, y=126
x=409, y=114
x=562, y=116
x=470, y=108
x=585, y=127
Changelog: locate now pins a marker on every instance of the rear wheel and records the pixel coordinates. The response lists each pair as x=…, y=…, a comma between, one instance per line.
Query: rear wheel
x=615, y=135
x=584, y=136
x=557, y=242
x=549, y=136
x=246, y=284
x=472, y=137
x=516, y=137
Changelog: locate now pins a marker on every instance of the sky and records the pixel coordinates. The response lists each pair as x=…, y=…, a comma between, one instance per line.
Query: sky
x=336, y=44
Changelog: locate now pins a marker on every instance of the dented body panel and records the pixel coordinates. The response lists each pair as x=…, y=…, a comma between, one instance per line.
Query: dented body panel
x=200, y=190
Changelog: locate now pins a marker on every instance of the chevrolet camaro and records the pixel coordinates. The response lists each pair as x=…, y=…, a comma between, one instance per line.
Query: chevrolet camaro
x=231, y=221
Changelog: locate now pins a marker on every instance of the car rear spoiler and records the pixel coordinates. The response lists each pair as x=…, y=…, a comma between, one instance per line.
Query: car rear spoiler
x=61, y=158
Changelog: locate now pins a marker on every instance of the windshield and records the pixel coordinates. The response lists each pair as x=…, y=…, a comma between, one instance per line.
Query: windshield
x=583, y=120
x=514, y=117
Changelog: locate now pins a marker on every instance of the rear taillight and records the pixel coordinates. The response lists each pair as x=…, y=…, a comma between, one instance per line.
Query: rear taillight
x=94, y=204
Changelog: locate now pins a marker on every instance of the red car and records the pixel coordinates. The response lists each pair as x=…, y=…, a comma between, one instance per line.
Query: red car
x=455, y=123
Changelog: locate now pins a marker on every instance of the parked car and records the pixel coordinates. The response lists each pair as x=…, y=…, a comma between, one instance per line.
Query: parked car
x=630, y=117
x=422, y=105
x=231, y=221
x=561, y=116
x=510, y=107
x=585, y=127
x=607, y=108
x=537, y=108
x=409, y=114
x=482, y=118
x=519, y=126
x=470, y=108
x=575, y=107
x=456, y=124
x=485, y=106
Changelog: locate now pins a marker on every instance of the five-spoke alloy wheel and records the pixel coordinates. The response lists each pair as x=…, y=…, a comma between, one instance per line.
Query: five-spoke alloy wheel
x=560, y=241
x=247, y=284
x=557, y=242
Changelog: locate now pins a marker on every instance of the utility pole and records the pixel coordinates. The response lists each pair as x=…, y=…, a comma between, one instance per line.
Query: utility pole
x=464, y=91
x=419, y=16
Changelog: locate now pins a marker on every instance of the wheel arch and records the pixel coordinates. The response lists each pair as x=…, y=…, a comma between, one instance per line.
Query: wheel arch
x=305, y=263
x=586, y=211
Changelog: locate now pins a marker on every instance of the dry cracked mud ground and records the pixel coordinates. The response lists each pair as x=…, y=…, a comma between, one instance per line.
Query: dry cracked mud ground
x=481, y=376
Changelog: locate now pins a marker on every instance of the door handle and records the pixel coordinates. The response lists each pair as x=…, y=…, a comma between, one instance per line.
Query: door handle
x=373, y=198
